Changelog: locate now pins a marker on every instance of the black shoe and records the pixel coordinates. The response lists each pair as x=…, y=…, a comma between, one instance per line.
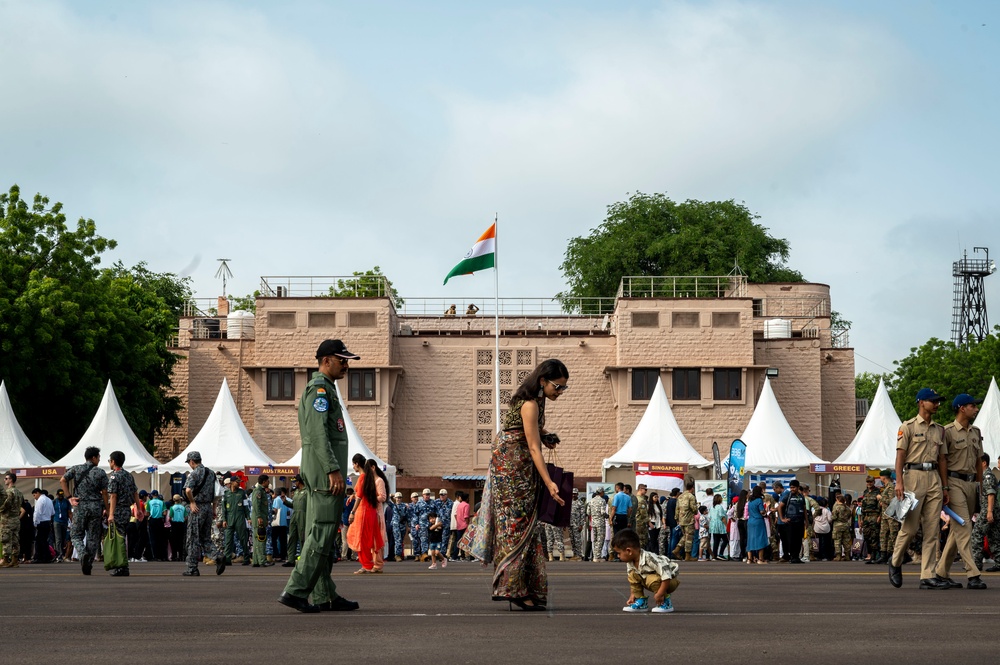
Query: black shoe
x=119, y=572
x=256, y=565
x=952, y=584
x=934, y=583
x=87, y=564
x=796, y=561
x=976, y=583
x=246, y=563
x=288, y=564
x=895, y=576
x=995, y=568
x=296, y=603
x=220, y=565
x=191, y=573
x=339, y=604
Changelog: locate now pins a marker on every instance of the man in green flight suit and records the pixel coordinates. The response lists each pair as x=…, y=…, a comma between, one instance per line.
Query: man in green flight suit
x=260, y=517
x=324, y=455
x=234, y=520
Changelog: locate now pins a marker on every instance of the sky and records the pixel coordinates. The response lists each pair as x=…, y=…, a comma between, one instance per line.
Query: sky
x=323, y=138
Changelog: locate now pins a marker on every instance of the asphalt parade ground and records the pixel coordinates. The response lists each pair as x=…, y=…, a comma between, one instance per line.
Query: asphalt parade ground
x=725, y=612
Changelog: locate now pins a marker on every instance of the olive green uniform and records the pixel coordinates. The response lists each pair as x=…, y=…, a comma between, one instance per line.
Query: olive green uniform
x=297, y=523
x=687, y=506
x=260, y=509
x=965, y=447
x=234, y=513
x=890, y=525
x=324, y=450
x=922, y=441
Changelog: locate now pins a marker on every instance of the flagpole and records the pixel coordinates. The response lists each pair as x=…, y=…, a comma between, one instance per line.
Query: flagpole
x=496, y=322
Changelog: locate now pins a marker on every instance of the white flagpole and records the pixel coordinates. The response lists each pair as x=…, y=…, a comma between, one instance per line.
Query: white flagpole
x=496, y=322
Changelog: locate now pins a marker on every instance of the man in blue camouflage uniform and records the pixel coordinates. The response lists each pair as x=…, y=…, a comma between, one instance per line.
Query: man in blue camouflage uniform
x=424, y=507
x=413, y=515
x=988, y=523
x=400, y=517
x=90, y=501
x=199, y=488
x=443, y=508
x=122, y=493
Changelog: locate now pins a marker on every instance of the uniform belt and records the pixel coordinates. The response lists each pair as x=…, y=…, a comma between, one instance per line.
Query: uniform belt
x=967, y=477
x=922, y=466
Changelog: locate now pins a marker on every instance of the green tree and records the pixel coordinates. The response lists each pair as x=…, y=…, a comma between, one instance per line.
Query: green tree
x=67, y=327
x=368, y=284
x=866, y=384
x=650, y=235
x=247, y=303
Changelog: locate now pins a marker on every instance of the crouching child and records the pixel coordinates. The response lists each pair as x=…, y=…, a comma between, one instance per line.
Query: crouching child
x=646, y=570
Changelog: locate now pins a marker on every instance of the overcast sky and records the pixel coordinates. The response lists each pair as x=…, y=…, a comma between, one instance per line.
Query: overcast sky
x=320, y=138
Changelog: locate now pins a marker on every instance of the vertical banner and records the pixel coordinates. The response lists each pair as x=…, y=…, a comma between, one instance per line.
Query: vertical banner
x=737, y=462
x=715, y=459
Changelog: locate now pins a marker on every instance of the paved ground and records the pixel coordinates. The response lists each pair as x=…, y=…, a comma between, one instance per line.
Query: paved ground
x=726, y=612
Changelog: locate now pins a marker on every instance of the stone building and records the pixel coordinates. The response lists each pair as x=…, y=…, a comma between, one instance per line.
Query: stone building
x=422, y=394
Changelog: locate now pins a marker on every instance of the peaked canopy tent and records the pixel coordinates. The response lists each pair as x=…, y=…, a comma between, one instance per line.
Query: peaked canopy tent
x=355, y=445
x=772, y=445
x=875, y=443
x=657, y=438
x=224, y=442
x=16, y=451
x=110, y=431
x=988, y=422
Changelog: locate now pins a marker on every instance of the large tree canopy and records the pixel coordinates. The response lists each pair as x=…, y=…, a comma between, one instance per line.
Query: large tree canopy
x=650, y=235
x=67, y=327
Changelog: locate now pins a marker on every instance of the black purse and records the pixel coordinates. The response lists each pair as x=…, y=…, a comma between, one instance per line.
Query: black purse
x=549, y=510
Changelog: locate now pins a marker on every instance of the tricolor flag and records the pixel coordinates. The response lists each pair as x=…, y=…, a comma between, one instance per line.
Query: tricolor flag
x=480, y=257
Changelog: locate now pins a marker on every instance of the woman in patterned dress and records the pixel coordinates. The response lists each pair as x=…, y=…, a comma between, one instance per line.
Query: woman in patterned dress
x=504, y=529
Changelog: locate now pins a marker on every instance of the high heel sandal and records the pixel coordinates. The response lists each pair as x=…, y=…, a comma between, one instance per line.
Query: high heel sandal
x=525, y=607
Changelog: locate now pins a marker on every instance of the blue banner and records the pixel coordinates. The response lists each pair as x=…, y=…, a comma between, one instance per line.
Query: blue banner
x=736, y=468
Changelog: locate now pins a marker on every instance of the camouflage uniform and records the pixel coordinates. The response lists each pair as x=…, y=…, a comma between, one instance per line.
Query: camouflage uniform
x=10, y=524
x=642, y=520
x=554, y=543
x=297, y=523
x=260, y=509
x=91, y=485
x=869, y=519
x=400, y=517
x=423, y=523
x=842, y=532
x=983, y=528
x=687, y=506
x=413, y=512
x=122, y=484
x=234, y=514
x=443, y=509
x=597, y=511
x=198, y=542
x=578, y=521
x=890, y=526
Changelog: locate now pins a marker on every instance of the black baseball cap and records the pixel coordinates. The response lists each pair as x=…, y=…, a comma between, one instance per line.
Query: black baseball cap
x=334, y=347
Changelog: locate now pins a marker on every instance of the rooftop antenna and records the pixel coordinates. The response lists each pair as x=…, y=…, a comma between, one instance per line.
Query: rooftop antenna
x=224, y=272
x=969, y=319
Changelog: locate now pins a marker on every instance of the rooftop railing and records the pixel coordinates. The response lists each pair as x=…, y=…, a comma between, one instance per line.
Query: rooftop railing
x=304, y=286
x=507, y=307
x=703, y=286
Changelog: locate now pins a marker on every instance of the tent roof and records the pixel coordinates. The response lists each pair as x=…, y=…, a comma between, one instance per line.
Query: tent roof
x=875, y=443
x=355, y=445
x=110, y=431
x=15, y=448
x=224, y=442
x=988, y=422
x=771, y=443
x=657, y=438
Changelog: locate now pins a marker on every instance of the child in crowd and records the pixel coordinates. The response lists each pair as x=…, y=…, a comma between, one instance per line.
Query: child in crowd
x=645, y=570
x=434, y=541
x=701, y=526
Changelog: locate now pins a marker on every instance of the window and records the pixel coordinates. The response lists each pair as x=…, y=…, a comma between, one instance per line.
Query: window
x=284, y=320
x=361, y=385
x=687, y=383
x=645, y=319
x=728, y=384
x=280, y=384
x=362, y=319
x=725, y=319
x=327, y=320
x=685, y=319
x=643, y=383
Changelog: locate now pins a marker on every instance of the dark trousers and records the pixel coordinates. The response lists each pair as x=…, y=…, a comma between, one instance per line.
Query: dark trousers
x=61, y=531
x=720, y=542
x=135, y=543
x=741, y=525
x=42, y=530
x=654, y=541
x=791, y=539
x=177, y=532
x=158, y=538
x=279, y=542
x=456, y=537
x=825, y=546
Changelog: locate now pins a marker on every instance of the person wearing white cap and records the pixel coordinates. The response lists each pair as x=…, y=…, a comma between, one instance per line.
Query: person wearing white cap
x=400, y=517
x=443, y=507
x=414, y=519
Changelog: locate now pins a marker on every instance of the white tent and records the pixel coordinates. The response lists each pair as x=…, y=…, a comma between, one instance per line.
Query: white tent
x=110, y=431
x=988, y=422
x=657, y=438
x=224, y=442
x=16, y=450
x=355, y=445
x=771, y=443
x=875, y=443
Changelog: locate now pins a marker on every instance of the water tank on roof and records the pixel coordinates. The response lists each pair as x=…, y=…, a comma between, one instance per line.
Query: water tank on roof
x=777, y=329
x=240, y=325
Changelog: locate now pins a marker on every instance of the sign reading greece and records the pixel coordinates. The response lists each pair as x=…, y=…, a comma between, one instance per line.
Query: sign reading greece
x=837, y=468
x=657, y=467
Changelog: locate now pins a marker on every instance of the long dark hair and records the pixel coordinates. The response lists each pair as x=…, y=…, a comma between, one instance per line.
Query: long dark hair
x=741, y=504
x=757, y=493
x=372, y=465
x=367, y=489
x=550, y=370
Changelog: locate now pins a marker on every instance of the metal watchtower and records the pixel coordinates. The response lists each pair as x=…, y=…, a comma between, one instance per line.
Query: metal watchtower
x=969, y=318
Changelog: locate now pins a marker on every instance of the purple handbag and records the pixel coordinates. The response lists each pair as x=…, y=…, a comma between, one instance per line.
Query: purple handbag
x=549, y=511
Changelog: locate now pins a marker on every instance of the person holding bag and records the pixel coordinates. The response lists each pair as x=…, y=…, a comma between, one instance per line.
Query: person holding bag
x=504, y=529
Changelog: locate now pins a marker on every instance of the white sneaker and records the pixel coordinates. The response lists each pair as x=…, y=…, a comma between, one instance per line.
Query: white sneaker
x=640, y=605
x=444, y=564
x=665, y=607
x=432, y=566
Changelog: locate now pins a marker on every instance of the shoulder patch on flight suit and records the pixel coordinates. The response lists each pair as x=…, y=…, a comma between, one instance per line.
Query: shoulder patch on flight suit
x=321, y=404
x=340, y=424
x=321, y=391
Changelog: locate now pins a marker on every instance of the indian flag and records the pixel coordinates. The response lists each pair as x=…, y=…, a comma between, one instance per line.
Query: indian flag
x=480, y=257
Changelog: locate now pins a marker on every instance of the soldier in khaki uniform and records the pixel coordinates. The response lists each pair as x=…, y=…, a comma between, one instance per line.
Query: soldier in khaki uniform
x=921, y=468
x=965, y=448
x=687, y=506
x=324, y=456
